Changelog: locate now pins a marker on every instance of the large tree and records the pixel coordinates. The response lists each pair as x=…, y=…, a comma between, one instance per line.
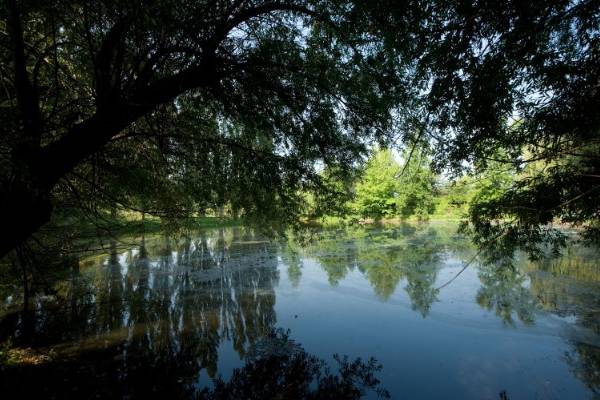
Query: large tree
x=229, y=100
x=377, y=192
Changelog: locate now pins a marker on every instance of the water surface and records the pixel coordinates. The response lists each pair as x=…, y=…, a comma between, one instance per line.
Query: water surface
x=154, y=312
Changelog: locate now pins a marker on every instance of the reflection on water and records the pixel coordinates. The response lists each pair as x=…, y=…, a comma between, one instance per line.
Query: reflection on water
x=385, y=258
x=200, y=316
x=504, y=291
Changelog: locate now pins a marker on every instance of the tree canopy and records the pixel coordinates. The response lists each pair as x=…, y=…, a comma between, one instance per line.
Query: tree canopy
x=175, y=107
x=377, y=192
x=388, y=189
x=212, y=102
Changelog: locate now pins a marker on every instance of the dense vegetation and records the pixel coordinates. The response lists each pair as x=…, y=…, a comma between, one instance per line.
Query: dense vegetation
x=398, y=187
x=179, y=108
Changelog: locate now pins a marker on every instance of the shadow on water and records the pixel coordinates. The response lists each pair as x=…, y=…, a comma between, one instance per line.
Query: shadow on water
x=277, y=369
x=154, y=318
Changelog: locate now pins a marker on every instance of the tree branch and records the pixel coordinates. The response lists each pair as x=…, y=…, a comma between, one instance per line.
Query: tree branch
x=27, y=98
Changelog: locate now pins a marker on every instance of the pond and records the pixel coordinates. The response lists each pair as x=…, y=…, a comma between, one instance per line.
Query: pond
x=156, y=314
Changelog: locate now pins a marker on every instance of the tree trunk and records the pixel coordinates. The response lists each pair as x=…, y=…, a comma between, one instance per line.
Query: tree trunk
x=23, y=212
x=25, y=203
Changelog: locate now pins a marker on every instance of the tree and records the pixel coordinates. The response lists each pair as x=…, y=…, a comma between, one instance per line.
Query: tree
x=416, y=185
x=246, y=95
x=377, y=190
x=521, y=78
x=387, y=189
x=336, y=197
x=458, y=194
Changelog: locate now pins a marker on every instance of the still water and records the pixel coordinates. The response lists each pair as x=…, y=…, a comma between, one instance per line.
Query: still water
x=155, y=314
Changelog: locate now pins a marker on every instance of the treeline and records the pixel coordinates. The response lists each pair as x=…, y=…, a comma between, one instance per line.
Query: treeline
x=405, y=186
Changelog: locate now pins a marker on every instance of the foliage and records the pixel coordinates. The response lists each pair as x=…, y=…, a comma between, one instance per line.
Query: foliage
x=377, y=190
x=174, y=108
x=334, y=200
x=386, y=189
x=523, y=80
x=417, y=185
x=179, y=108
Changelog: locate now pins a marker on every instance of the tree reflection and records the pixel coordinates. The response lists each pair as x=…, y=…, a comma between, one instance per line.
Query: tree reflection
x=569, y=286
x=278, y=368
x=566, y=286
x=502, y=290
x=584, y=361
x=337, y=254
x=292, y=258
x=282, y=369
x=512, y=287
x=157, y=313
x=385, y=258
x=152, y=319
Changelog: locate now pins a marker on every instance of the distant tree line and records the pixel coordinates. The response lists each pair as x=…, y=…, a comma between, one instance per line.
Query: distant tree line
x=403, y=186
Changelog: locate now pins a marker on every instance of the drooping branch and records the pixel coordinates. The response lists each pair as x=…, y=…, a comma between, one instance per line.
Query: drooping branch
x=115, y=114
x=116, y=108
x=246, y=15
